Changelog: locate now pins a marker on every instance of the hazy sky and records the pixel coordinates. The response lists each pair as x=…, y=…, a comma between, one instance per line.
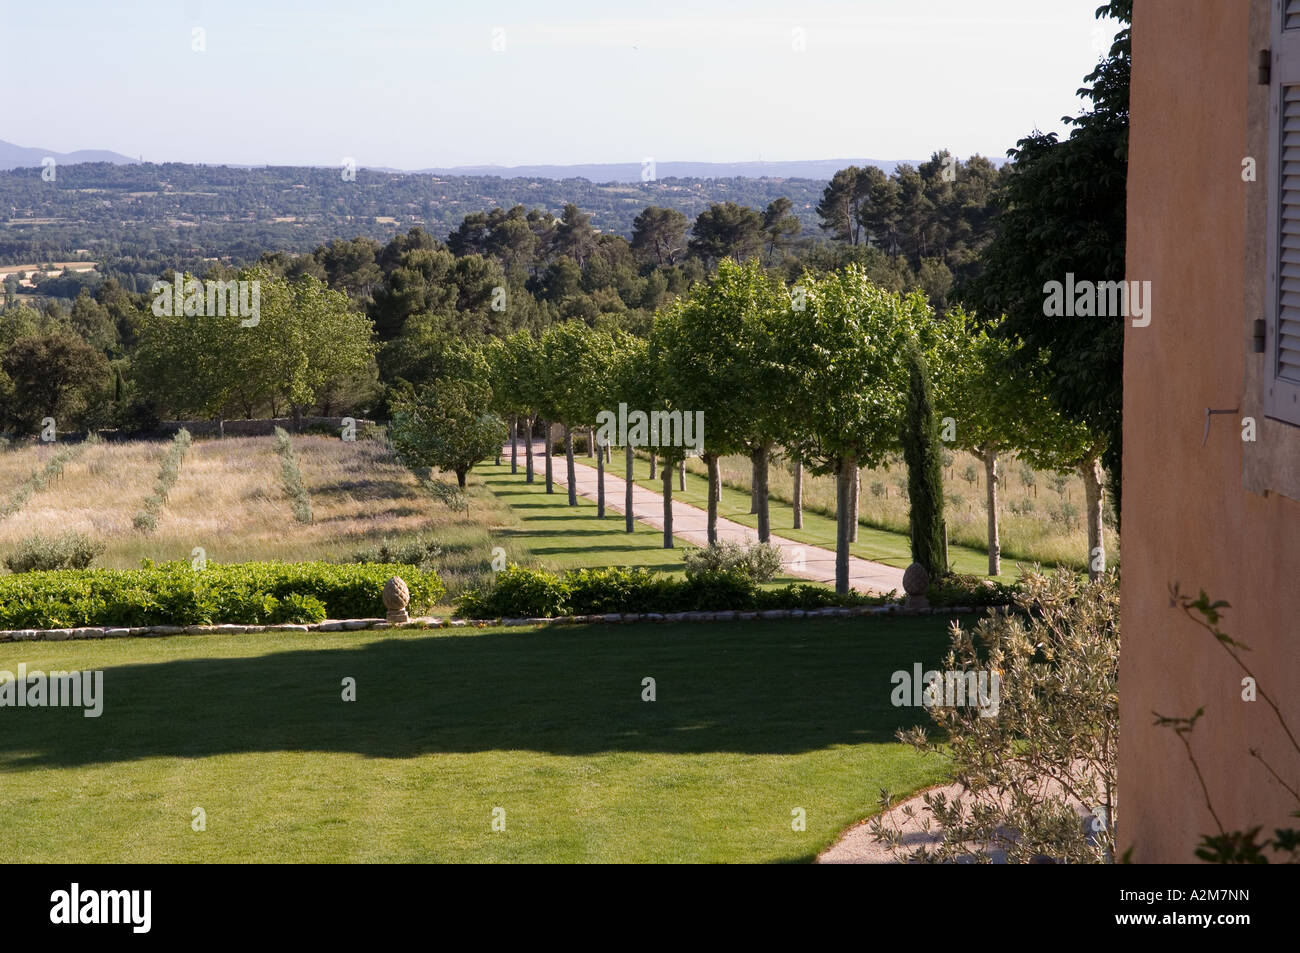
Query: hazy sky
x=413, y=84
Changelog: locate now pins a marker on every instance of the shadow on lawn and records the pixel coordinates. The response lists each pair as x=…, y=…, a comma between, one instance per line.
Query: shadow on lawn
x=760, y=688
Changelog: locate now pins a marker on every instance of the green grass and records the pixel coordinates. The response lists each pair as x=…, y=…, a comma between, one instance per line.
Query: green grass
x=550, y=534
x=752, y=720
x=877, y=545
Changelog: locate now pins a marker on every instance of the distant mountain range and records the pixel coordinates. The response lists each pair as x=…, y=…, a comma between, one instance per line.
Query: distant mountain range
x=18, y=157
x=820, y=169
x=21, y=157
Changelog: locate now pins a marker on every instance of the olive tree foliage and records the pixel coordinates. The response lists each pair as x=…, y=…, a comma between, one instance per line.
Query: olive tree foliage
x=448, y=424
x=1040, y=750
x=844, y=343
x=304, y=342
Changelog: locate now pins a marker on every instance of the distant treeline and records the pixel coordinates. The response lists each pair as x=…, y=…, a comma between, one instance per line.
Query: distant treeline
x=353, y=321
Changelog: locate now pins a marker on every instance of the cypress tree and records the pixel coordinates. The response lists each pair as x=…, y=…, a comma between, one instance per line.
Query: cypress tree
x=923, y=453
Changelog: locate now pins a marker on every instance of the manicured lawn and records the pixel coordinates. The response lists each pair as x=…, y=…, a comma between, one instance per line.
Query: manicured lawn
x=551, y=534
x=547, y=532
x=751, y=721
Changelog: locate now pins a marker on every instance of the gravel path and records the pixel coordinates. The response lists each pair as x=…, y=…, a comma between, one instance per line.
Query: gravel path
x=691, y=524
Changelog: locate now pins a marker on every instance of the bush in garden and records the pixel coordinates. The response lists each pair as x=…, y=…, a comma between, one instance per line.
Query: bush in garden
x=1056, y=719
x=70, y=550
x=959, y=589
x=598, y=591
x=758, y=561
x=291, y=477
x=418, y=552
x=536, y=593
x=298, y=608
x=176, y=594
x=168, y=472
x=517, y=591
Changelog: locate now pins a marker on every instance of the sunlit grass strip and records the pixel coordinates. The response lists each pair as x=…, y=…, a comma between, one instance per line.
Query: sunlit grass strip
x=43, y=477
x=291, y=477
x=147, y=519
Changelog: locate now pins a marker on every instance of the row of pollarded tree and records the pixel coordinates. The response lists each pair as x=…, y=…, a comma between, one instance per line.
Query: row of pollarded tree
x=818, y=370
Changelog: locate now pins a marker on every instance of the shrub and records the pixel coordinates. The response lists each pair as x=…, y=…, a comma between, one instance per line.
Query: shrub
x=291, y=477
x=298, y=608
x=418, y=552
x=579, y=446
x=519, y=592
x=717, y=590
x=976, y=591
x=758, y=561
x=147, y=519
x=175, y=594
x=70, y=550
x=597, y=591
x=1056, y=718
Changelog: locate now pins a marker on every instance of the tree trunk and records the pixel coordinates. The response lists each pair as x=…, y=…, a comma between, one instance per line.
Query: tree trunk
x=715, y=487
x=681, y=476
x=568, y=462
x=759, y=458
x=844, y=493
x=653, y=460
x=798, y=494
x=514, y=443
x=629, y=485
x=529, y=472
x=668, y=505
x=853, y=505
x=1093, y=475
x=591, y=443
x=991, y=480
x=600, y=484
x=460, y=478
x=546, y=454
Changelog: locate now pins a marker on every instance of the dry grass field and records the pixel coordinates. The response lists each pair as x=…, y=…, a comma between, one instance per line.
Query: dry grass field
x=229, y=500
x=1040, y=513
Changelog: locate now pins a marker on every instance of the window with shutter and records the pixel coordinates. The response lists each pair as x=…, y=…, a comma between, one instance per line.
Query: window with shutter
x=1282, y=312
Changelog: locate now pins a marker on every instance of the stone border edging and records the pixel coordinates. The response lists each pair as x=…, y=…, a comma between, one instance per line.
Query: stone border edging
x=432, y=622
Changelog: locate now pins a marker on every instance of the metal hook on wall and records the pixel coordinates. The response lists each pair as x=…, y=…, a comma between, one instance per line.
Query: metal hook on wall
x=1209, y=413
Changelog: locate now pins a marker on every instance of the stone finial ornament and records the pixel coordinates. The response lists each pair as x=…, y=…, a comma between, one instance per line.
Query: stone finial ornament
x=916, y=580
x=396, y=598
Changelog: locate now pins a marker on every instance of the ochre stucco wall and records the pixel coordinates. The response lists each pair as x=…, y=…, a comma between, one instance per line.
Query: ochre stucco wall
x=1186, y=515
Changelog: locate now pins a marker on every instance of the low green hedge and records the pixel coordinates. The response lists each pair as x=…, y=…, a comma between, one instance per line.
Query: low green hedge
x=534, y=593
x=238, y=593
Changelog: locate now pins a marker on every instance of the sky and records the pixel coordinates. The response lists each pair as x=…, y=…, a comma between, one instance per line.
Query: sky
x=413, y=84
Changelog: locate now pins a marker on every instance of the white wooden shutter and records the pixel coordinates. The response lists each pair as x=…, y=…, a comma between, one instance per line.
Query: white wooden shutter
x=1282, y=312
